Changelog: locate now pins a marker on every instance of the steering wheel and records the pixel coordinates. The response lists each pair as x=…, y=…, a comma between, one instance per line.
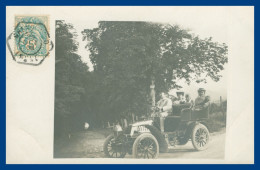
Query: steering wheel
x=155, y=111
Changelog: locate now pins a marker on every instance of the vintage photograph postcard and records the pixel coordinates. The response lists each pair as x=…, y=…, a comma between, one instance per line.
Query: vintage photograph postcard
x=142, y=85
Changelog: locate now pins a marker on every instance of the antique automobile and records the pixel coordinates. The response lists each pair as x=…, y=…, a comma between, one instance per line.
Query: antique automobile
x=145, y=139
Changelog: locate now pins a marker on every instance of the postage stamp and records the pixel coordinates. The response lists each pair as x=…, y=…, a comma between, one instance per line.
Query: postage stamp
x=31, y=39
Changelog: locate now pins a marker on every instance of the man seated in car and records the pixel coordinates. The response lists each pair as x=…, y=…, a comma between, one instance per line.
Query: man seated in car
x=182, y=104
x=180, y=98
x=188, y=99
x=202, y=101
x=164, y=105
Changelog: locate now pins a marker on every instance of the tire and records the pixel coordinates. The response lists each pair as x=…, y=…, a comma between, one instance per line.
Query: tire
x=200, y=137
x=111, y=150
x=163, y=146
x=145, y=147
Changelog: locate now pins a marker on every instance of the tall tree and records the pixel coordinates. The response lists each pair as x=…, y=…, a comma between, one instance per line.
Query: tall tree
x=128, y=55
x=70, y=74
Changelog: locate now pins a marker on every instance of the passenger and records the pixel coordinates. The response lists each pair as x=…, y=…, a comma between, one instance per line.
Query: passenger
x=201, y=101
x=180, y=98
x=165, y=105
x=188, y=99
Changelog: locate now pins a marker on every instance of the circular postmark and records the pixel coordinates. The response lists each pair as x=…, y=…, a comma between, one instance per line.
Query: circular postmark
x=30, y=43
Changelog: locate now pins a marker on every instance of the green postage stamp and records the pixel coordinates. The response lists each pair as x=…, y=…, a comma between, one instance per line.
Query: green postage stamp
x=31, y=39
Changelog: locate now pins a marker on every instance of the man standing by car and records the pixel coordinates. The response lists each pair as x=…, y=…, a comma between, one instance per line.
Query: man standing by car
x=164, y=105
x=201, y=101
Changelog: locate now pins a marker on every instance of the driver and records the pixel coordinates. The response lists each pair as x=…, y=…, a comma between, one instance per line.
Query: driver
x=164, y=105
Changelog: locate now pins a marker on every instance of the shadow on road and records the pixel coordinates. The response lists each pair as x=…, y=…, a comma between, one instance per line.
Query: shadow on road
x=181, y=150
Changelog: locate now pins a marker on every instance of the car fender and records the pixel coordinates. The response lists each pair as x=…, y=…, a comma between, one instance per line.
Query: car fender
x=191, y=125
x=205, y=123
x=189, y=129
x=163, y=146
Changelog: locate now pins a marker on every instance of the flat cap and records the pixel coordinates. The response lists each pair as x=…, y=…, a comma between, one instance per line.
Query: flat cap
x=201, y=89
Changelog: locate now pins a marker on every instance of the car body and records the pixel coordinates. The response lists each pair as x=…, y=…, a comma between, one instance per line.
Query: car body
x=145, y=139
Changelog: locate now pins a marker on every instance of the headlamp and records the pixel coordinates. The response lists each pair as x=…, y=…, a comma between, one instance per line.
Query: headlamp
x=118, y=128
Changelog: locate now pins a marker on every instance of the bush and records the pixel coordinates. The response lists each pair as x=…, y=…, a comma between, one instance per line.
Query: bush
x=217, y=121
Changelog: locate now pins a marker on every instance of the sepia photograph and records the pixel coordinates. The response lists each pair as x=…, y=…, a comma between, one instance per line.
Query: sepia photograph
x=141, y=90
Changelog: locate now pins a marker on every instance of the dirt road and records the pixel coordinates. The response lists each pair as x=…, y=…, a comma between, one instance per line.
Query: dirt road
x=89, y=145
x=216, y=150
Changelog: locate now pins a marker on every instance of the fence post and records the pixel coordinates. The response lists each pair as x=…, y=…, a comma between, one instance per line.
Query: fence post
x=125, y=123
x=222, y=109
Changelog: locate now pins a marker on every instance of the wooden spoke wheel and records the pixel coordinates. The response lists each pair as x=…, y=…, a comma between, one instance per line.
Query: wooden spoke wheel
x=113, y=148
x=200, y=137
x=145, y=147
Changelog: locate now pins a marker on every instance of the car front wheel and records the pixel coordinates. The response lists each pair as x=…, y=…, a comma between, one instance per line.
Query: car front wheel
x=113, y=148
x=200, y=137
x=145, y=147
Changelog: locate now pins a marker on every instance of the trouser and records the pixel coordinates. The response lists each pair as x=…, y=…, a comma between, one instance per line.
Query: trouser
x=162, y=117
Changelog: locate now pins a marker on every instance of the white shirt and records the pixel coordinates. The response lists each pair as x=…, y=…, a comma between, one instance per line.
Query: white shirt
x=165, y=104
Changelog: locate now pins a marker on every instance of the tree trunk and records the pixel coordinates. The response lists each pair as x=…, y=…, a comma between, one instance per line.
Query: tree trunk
x=152, y=87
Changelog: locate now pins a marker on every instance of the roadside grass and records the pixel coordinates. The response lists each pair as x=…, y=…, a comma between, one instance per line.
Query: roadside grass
x=217, y=121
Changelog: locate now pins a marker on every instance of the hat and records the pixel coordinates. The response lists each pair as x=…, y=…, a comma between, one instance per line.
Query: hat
x=201, y=89
x=187, y=94
x=180, y=92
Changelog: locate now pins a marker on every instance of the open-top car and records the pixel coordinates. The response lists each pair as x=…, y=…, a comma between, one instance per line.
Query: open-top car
x=145, y=139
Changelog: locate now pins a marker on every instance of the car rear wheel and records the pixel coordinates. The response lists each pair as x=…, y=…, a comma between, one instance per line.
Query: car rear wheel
x=113, y=148
x=145, y=147
x=200, y=137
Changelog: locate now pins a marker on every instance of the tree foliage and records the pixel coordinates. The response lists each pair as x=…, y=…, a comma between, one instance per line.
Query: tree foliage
x=128, y=55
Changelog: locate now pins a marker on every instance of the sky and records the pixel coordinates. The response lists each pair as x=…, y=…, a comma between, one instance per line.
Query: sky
x=205, y=22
